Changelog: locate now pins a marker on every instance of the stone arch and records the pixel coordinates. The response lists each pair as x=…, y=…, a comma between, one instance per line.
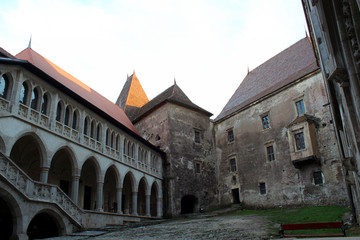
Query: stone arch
x=129, y=186
x=88, y=184
x=29, y=153
x=6, y=86
x=11, y=221
x=154, y=196
x=60, y=110
x=45, y=224
x=63, y=167
x=36, y=97
x=87, y=126
x=46, y=104
x=142, y=192
x=26, y=89
x=109, y=193
x=75, y=119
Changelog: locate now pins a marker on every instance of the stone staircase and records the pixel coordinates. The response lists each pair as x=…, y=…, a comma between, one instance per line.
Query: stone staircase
x=37, y=191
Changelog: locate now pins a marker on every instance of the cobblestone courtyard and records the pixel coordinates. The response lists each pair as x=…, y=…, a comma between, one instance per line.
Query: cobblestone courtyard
x=219, y=227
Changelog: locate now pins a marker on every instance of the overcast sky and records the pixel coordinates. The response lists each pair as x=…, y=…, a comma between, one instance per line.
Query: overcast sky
x=207, y=45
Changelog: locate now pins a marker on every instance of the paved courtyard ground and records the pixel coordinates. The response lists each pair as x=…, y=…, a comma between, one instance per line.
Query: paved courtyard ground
x=218, y=227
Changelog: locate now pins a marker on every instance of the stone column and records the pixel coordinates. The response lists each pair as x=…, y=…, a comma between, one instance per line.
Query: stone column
x=134, y=203
x=99, y=197
x=75, y=189
x=119, y=200
x=147, y=197
x=159, y=207
x=44, y=173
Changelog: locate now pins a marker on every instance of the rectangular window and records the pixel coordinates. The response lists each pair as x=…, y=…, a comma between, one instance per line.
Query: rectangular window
x=230, y=136
x=262, y=188
x=300, y=141
x=266, y=122
x=300, y=107
x=197, y=167
x=233, y=164
x=318, y=179
x=270, y=153
x=197, y=136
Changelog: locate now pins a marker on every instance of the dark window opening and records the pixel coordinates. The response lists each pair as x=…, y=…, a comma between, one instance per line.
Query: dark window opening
x=270, y=153
x=87, y=197
x=188, y=204
x=86, y=126
x=67, y=116
x=58, y=112
x=65, y=186
x=197, y=167
x=230, y=136
x=318, y=179
x=299, y=141
x=236, y=195
x=44, y=104
x=266, y=122
x=262, y=188
x=74, y=120
x=197, y=136
x=233, y=165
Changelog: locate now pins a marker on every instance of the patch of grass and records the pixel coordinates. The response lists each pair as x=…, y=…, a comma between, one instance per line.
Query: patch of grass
x=300, y=215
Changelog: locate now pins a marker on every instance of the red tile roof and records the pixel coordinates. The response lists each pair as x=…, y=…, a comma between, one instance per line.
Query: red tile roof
x=286, y=67
x=77, y=87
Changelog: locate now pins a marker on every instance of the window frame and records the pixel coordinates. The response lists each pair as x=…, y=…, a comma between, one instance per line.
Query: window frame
x=270, y=156
x=265, y=124
x=233, y=164
x=262, y=188
x=297, y=146
x=198, y=167
x=230, y=135
x=5, y=94
x=197, y=136
x=303, y=109
x=316, y=178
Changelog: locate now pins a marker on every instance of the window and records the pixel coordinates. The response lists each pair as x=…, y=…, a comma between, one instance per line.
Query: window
x=318, y=179
x=4, y=85
x=270, y=153
x=107, y=137
x=197, y=167
x=233, y=164
x=197, y=136
x=117, y=140
x=265, y=121
x=34, y=99
x=67, y=116
x=86, y=122
x=44, y=104
x=299, y=141
x=92, y=129
x=58, y=112
x=230, y=135
x=300, y=108
x=262, y=188
x=23, y=93
x=98, y=129
x=74, y=120
x=112, y=140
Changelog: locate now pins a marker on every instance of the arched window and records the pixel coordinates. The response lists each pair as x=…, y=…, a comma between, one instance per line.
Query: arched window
x=4, y=86
x=58, y=112
x=34, y=99
x=124, y=149
x=67, y=116
x=117, y=142
x=107, y=137
x=98, y=134
x=44, y=104
x=112, y=140
x=86, y=123
x=74, y=120
x=24, y=93
x=92, y=129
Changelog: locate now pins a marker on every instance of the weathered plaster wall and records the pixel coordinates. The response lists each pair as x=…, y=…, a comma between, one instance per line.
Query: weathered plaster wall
x=285, y=184
x=175, y=125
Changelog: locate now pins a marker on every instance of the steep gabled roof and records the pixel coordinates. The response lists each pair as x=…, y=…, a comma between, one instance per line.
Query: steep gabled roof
x=286, y=67
x=77, y=87
x=132, y=94
x=173, y=95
